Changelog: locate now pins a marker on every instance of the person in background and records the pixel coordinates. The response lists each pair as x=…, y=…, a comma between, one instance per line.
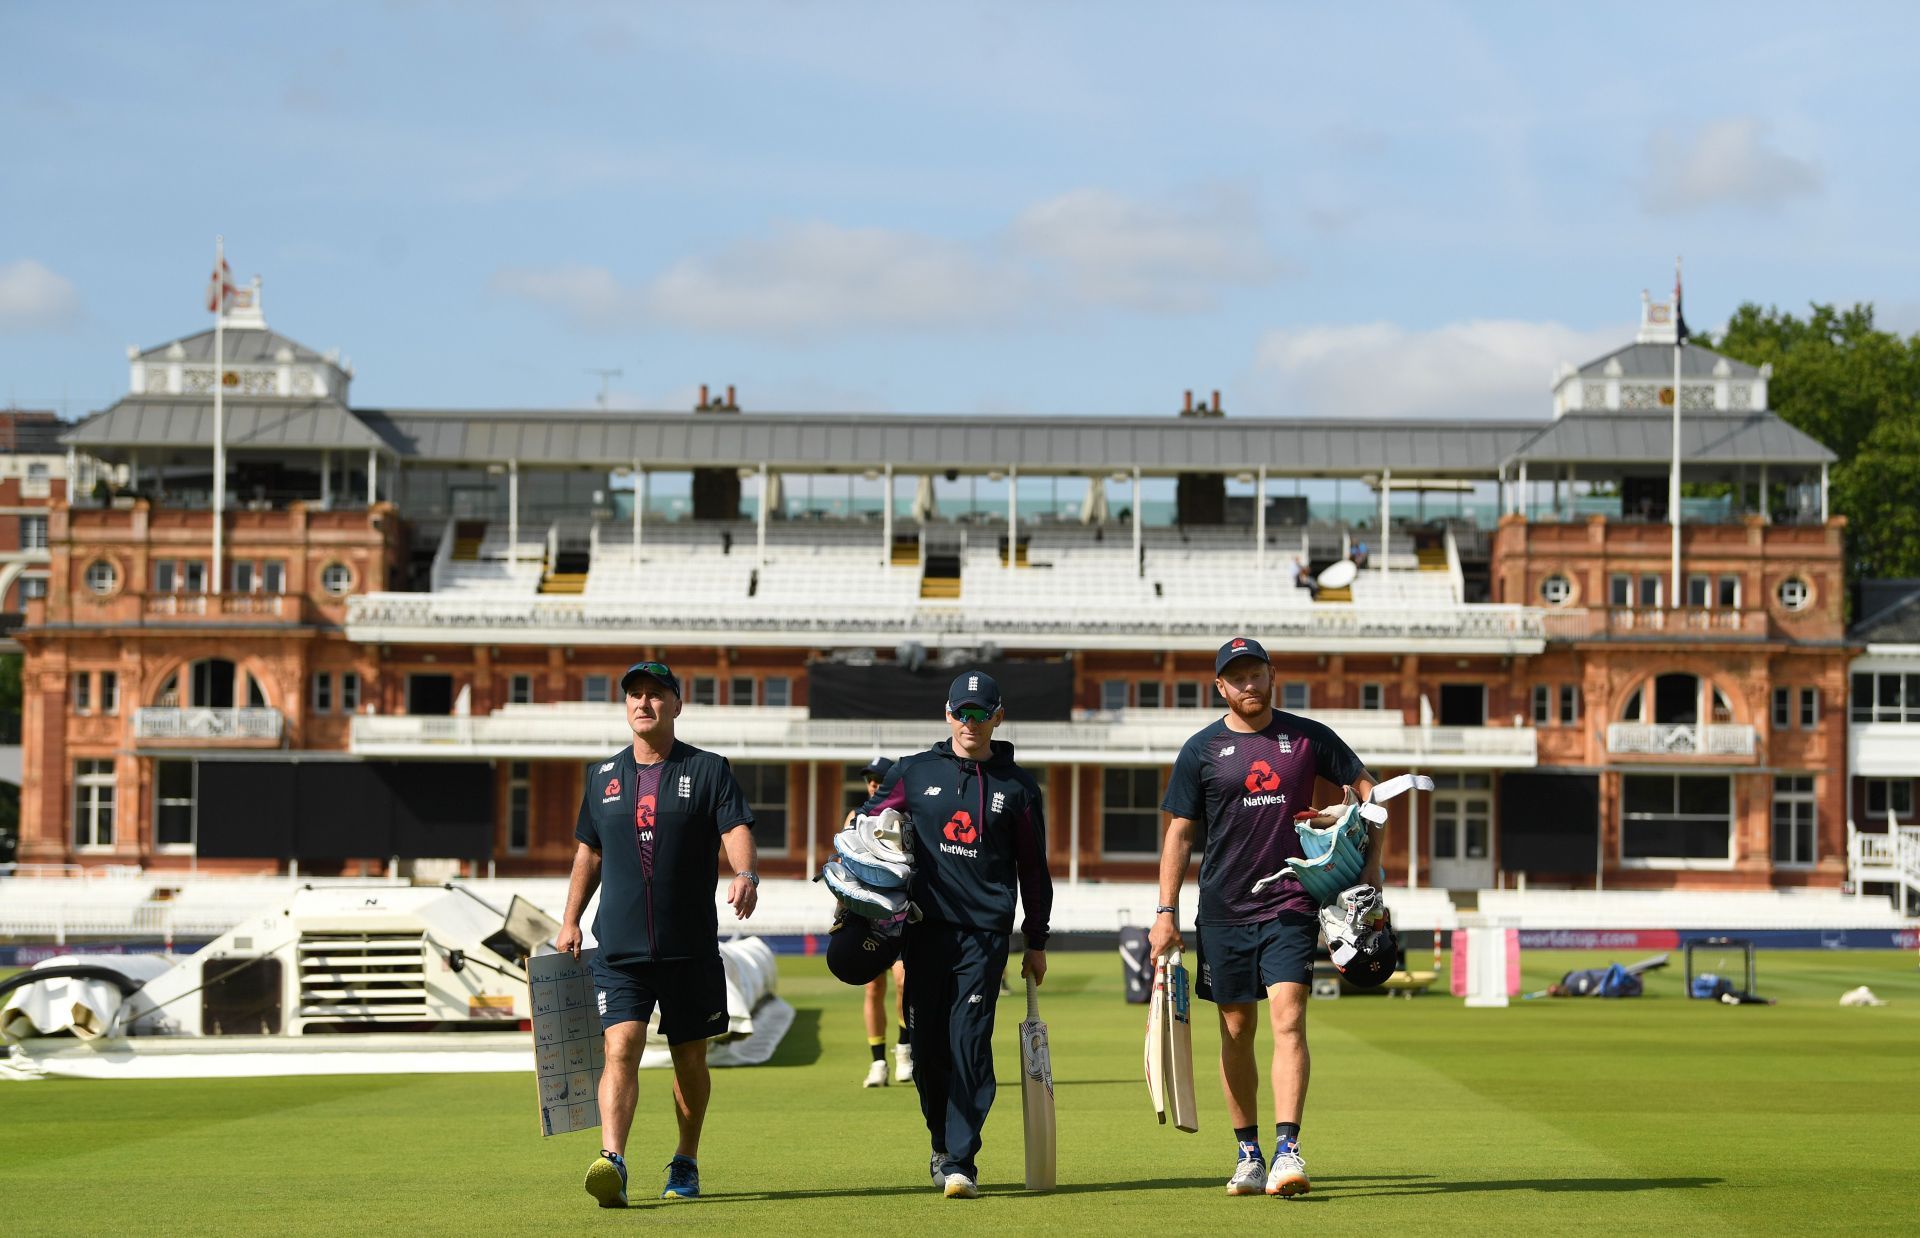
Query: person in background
x=875, y=1001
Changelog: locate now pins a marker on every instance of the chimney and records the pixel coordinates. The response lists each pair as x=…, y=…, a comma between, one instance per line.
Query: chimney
x=1216, y=402
x=703, y=397
x=1188, y=406
x=731, y=402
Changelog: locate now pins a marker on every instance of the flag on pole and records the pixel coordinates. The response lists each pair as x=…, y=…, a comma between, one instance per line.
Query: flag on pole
x=1680, y=332
x=220, y=289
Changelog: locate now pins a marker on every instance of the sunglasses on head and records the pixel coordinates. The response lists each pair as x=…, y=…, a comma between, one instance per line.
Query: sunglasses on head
x=973, y=713
x=658, y=670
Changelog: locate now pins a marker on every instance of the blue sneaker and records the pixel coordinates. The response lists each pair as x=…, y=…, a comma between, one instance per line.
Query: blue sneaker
x=607, y=1179
x=683, y=1179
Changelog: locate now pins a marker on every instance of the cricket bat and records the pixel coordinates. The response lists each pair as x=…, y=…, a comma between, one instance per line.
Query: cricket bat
x=1179, y=1041
x=1156, y=1051
x=1036, y=1095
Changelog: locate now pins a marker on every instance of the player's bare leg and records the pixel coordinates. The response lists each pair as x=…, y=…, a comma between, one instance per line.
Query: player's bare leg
x=620, y=1083
x=1239, y=1077
x=619, y=1086
x=1287, y=1012
x=874, y=1009
x=692, y=1085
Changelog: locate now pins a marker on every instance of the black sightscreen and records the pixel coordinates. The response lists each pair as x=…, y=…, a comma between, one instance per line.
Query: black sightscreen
x=332, y=810
x=245, y=810
x=1549, y=823
x=1032, y=691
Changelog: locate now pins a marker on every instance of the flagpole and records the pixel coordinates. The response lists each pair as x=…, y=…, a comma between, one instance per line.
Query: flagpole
x=219, y=412
x=1673, y=473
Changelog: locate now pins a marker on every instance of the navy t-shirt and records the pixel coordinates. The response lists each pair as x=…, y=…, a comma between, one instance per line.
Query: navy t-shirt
x=1247, y=788
x=657, y=829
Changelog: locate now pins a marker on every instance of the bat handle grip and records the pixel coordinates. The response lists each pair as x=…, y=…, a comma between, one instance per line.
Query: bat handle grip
x=1033, y=1000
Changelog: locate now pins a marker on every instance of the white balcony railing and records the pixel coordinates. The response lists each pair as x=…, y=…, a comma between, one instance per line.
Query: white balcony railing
x=1883, y=749
x=1083, y=623
x=584, y=732
x=207, y=724
x=1680, y=739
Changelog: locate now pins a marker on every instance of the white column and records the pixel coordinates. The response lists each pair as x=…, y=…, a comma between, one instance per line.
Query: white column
x=1136, y=520
x=639, y=505
x=1673, y=472
x=513, y=511
x=1260, y=520
x=1386, y=517
x=373, y=477
x=1765, y=507
x=326, y=479
x=1013, y=515
x=886, y=522
x=813, y=809
x=1823, y=492
x=760, y=521
x=1506, y=498
x=1073, y=825
x=1520, y=498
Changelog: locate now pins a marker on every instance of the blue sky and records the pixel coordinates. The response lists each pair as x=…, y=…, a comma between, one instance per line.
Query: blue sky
x=1077, y=208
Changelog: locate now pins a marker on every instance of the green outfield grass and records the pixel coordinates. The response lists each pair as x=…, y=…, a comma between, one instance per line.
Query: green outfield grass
x=1656, y=1114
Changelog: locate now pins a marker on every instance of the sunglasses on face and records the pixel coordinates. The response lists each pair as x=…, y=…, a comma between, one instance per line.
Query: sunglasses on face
x=973, y=713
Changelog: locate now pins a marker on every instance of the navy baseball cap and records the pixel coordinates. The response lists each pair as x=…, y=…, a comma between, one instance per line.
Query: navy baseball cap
x=652, y=670
x=1238, y=647
x=877, y=768
x=973, y=688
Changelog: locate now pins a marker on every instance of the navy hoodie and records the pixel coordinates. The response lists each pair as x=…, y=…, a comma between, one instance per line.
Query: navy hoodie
x=977, y=826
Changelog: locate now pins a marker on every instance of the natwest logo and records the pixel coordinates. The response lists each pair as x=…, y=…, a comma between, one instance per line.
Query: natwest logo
x=1260, y=777
x=643, y=817
x=613, y=787
x=960, y=827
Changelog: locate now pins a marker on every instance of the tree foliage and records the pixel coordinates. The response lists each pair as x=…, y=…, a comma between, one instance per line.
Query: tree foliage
x=1855, y=388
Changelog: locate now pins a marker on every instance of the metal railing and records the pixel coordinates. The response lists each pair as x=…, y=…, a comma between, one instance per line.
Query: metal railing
x=788, y=734
x=1680, y=739
x=436, y=617
x=157, y=723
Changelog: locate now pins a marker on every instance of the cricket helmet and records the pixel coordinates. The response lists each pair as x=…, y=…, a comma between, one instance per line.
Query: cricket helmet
x=1360, y=936
x=860, y=950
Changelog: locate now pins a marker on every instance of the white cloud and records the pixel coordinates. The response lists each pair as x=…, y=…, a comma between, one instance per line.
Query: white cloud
x=587, y=296
x=1730, y=162
x=1085, y=249
x=819, y=277
x=1476, y=369
x=35, y=298
x=1149, y=256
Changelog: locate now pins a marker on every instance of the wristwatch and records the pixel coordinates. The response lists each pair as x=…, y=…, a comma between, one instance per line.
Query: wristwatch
x=1166, y=911
x=753, y=877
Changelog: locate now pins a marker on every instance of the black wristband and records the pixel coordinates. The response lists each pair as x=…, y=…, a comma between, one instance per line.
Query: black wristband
x=1166, y=911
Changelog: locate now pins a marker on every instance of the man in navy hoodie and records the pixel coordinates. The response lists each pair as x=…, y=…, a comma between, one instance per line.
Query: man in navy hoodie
x=978, y=827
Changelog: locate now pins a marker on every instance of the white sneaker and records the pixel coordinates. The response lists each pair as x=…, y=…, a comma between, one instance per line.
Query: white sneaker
x=903, y=1063
x=939, y=1175
x=959, y=1186
x=1249, y=1176
x=1288, y=1177
x=876, y=1075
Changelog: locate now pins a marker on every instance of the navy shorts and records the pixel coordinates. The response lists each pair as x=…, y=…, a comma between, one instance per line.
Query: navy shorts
x=1239, y=961
x=691, y=994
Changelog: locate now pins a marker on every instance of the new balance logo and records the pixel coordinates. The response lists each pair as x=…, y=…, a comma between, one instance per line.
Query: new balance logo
x=931, y=791
x=608, y=767
x=1228, y=750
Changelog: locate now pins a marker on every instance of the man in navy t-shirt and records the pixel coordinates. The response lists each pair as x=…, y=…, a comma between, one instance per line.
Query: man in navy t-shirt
x=1246, y=777
x=652, y=821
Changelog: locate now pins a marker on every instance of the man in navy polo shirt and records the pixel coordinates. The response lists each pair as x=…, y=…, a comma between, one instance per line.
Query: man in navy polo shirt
x=979, y=827
x=651, y=822
x=1246, y=776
